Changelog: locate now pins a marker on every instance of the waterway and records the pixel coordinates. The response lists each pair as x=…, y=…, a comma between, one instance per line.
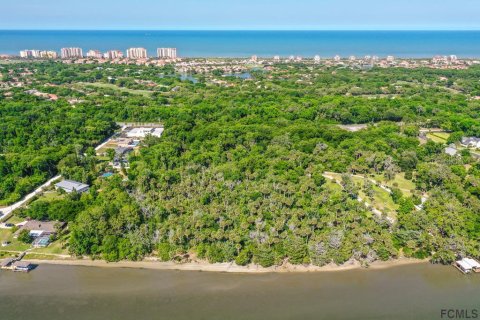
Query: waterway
x=418, y=291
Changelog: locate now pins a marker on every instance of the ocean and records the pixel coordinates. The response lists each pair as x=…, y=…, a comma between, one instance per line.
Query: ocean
x=411, y=44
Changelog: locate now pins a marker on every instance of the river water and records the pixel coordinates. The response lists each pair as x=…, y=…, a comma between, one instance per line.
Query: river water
x=69, y=292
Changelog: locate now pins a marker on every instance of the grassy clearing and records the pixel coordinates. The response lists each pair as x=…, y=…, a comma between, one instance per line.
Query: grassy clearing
x=53, y=248
x=438, y=137
x=144, y=93
x=406, y=186
x=5, y=234
x=381, y=199
x=6, y=254
x=39, y=256
x=15, y=245
x=15, y=219
x=51, y=196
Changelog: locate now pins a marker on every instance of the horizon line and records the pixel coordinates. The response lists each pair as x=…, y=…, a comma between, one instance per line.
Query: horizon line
x=257, y=30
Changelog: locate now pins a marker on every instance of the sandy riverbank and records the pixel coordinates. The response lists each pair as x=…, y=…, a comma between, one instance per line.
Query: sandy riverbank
x=228, y=267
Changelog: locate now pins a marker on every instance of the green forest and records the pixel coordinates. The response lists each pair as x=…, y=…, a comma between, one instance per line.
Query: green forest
x=263, y=170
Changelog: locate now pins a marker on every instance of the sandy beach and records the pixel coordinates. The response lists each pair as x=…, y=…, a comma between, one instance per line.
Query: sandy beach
x=228, y=267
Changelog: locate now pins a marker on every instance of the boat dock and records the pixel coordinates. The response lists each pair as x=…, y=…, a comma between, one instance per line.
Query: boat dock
x=15, y=264
x=467, y=265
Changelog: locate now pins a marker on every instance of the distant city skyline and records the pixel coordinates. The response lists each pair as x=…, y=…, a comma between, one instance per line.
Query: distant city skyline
x=240, y=15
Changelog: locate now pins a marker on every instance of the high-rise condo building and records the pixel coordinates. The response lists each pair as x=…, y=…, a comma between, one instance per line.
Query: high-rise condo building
x=68, y=53
x=137, y=53
x=30, y=54
x=94, y=54
x=113, y=54
x=167, y=53
x=48, y=54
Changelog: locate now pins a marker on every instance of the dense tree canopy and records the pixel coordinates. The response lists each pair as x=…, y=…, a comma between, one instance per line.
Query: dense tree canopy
x=240, y=173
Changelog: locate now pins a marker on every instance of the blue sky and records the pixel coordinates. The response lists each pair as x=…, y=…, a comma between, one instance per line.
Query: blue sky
x=241, y=14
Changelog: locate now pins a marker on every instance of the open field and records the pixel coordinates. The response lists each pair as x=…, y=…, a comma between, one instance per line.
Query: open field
x=15, y=219
x=15, y=245
x=406, y=186
x=381, y=199
x=51, y=196
x=438, y=137
x=144, y=93
x=54, y=248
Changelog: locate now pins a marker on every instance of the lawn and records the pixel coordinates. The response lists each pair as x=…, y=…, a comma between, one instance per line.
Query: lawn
x=15, y=219
x=406, y=186
x=438, y=137
x=53, y=248
x=51, y=196
x=5, y=234
x=144, y=93
x=381, y=201
x=15, y=245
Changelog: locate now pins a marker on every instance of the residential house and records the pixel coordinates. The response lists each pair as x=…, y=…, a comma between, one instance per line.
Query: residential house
x=451, y=150
x=70, y=186
x=121, y=157
x=471, y=142
x=39, y=229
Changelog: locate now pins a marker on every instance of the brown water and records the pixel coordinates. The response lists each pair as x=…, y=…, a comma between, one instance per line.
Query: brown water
x=406, y=292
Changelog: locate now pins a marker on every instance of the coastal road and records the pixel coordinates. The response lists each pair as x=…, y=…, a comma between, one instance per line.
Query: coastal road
x=6, y=211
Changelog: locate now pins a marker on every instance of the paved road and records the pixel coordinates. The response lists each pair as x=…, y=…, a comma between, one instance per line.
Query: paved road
x=7, y=210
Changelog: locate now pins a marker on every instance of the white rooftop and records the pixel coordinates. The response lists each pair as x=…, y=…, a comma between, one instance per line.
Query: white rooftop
x=464, y=265
x=143, y=132
x=472, y=262
x=71, y=185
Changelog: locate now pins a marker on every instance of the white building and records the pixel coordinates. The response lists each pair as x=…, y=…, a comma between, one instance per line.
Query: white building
x=337, y=58
x=276, y=58
x=69, y=53
x=94, y=54
x=471, y=142
x=390, y=59
x=113, y=54
x=30, y=54
x=70, y=186
x=137, y=53
x=48, y=54
x=167, y=53
x=317, y=59
x=143, y=132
